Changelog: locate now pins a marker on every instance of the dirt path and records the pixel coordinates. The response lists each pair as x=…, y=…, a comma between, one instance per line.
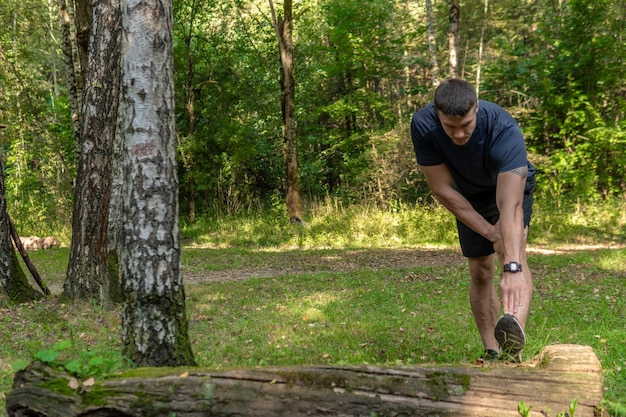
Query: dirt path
x=291, y=262
x=300, y=262
x=219, y=265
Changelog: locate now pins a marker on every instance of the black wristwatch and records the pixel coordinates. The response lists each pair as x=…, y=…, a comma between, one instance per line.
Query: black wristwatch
x=512, y=267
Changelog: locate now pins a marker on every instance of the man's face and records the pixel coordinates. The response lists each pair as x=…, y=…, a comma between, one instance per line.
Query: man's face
x=459, y=128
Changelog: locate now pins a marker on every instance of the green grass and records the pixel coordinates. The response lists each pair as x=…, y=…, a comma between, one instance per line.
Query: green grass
x=367, y=313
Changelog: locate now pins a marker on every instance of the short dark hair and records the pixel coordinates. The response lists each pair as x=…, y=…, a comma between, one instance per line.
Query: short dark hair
x=455, y=97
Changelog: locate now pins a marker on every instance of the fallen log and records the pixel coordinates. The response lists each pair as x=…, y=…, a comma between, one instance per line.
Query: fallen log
x=561, y=374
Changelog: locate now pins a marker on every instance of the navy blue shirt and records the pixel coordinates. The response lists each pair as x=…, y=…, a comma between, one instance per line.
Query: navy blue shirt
x=496, y=145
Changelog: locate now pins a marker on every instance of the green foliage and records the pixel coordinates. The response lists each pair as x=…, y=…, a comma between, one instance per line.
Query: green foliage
x=330, y=224
x=597, y=154
x=361, y=70
x=88, y=364
x=563, y=80
x=614, y=409
x=36, y=147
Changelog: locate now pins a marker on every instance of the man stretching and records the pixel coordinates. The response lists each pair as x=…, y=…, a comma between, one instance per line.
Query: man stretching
x=474, y=158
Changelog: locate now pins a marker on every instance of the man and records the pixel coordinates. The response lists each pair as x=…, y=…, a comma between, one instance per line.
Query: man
x=473, y=156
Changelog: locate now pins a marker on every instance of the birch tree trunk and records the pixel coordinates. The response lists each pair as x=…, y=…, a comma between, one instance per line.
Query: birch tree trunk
x=87, y=274
x=454, y=38
x=154, y=321
x=283, y=25
x=432, y=44
x=481, y=46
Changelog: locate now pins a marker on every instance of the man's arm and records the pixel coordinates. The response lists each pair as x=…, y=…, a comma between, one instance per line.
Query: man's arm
x=441, y=183
x=509, y=198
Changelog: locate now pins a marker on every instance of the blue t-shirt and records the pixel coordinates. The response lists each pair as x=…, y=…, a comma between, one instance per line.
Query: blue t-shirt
x=496, y=145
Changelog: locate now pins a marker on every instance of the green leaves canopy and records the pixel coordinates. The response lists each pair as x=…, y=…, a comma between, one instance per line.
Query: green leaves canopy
x=361, y=68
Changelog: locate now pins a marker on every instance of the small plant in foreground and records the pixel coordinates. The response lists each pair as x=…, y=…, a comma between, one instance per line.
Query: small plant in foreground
x=524, y=409
x=89, y=364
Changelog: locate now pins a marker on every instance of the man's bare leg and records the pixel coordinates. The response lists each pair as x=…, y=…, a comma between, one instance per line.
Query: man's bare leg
x=484, y=299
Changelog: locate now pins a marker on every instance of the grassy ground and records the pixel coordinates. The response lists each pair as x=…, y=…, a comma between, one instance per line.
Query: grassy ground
x=328, y=294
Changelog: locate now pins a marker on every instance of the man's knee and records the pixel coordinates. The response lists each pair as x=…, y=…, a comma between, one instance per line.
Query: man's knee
x=482, y=270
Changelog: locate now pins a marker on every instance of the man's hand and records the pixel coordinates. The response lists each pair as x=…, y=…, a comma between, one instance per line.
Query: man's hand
x=512, y=288
x=512, y=284
x=495, y=236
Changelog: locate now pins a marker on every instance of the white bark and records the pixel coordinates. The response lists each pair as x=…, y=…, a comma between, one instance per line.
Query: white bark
x=153, y=318
x=454, y=38
x=481, y=47
x=432, y=43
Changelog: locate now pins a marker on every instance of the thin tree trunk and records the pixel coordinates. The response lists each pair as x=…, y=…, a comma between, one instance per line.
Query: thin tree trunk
x=454, y=38
x=72, y=63
x=87, y=274
x=432, y=44
x=187, y=158
x=154, y=321
x=115, y=220
x=481, y=46
x=283, y=26
x=75, y=17
x=12, y=278
x=29, y=264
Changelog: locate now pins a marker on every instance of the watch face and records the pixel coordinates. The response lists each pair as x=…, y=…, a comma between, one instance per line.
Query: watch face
x=512, y=267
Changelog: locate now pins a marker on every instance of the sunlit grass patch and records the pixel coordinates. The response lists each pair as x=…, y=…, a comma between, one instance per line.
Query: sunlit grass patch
x=345, y=318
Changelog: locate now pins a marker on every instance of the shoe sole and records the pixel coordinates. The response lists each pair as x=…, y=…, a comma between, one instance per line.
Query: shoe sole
x=510, y=336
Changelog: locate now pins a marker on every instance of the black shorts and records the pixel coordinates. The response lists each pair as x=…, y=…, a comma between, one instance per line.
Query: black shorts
x=474, y=245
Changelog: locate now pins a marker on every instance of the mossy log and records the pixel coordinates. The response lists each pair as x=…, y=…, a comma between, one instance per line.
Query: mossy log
x=563, y=373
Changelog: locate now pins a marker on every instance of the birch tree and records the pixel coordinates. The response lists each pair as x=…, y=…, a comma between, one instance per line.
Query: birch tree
x=454, y=38
x=432, y=43
x=481, y=46
x=154, y=322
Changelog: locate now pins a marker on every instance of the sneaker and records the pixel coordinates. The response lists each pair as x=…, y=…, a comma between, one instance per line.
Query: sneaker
x=490, y=355
x=510, y=336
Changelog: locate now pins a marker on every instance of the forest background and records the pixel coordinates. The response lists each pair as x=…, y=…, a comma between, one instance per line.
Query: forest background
x=361, y=69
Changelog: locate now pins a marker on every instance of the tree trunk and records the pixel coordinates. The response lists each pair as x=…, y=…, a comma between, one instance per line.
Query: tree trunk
x=87, y=274
x=75, y=19
x=432, y=44
x=566, y=372
x=481, y=46
x=454, y=38
x=154, y=322
x=12, y=278
x=29, y=264
x=116, y=203
x=190, y=90
x=283, y=26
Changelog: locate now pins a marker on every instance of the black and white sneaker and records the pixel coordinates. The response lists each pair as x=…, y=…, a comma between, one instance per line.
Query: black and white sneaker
x=490, y=355
x=511, y=337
